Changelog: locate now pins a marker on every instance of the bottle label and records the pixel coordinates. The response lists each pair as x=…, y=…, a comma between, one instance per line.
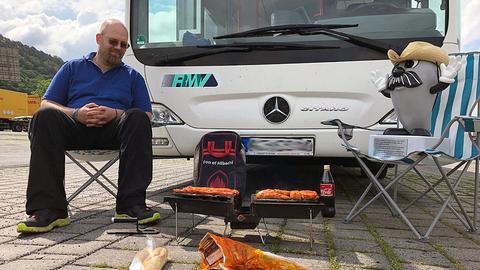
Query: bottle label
x=327, y=190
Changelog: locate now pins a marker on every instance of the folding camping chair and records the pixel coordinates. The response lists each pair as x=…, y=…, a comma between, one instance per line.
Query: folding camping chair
x=89, y=156
x=455, y=127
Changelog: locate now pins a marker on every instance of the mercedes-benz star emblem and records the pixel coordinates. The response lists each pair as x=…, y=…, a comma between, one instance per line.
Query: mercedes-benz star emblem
x=276, y=110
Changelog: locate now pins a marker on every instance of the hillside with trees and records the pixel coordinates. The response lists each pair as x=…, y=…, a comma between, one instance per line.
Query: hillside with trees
x=36, y=68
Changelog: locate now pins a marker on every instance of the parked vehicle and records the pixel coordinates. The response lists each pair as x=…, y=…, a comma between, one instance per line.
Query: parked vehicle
x=16, y=110
x=272, y=70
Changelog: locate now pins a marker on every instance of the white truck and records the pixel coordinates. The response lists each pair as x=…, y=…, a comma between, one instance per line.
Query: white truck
x=272, y=70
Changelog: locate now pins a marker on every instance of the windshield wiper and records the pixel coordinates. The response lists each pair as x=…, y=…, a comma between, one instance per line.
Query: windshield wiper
x=288, y=29
x=313, y=29
x=236, y=47
x=268, y=46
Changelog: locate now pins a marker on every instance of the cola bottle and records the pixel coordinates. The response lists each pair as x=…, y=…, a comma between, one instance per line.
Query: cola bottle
x=327, y=192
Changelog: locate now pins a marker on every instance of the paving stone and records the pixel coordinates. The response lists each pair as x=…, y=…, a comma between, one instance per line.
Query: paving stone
x=464, y=254
x=191, y=240
x=360, y=259
x=9, y=231
x=44, y=239
x=419, y=256
x=455, y=242
x=137, y=243
x=408, y=243
x=5, y=222
x=356, y=245
x=44, y=256
x=183, y=254
x=76, y=247
x=318, y=237
x=76, y=267
x=180, y=266
x=420, y=266
x=4, y=239
x=92, y=210
x=109, y=258
x=96, y=219
x=11, y=251
x=396, y=233
x=170, y=231
x=98, y=235
x=302, y=247
x=353, y=234
x=471, y=265
x=32, y=264
x=79, y=228
x=311, y=262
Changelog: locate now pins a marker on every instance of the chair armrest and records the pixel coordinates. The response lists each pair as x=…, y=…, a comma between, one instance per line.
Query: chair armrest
x=345, y=132
x=337, y=123
x=470, y=123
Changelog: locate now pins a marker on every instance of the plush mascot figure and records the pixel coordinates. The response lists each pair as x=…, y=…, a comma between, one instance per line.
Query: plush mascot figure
x=419, y=72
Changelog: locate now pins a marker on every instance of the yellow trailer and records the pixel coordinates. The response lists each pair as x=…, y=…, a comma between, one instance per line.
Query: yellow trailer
x=16, y=109
x=33, y=103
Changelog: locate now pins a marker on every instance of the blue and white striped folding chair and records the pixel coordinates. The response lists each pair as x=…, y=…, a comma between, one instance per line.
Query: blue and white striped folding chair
x=455, y=125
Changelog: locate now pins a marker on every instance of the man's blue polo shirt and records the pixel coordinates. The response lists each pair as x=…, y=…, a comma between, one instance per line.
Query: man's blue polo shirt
x=79, y=82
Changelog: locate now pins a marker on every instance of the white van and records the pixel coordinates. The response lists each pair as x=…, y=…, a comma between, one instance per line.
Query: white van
x=273, y=70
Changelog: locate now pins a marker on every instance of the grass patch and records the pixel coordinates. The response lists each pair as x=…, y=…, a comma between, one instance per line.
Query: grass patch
x=387, y=250
x=332, y=257
x=456, y=263
x=100, y=265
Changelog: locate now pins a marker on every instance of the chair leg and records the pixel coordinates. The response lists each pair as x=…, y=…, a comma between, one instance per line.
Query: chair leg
x=102, y=175
x=353, y=214
x=452, y=193
x=383, y=192
x=432, y=187
x=349, y=217
x=475, y=194
x=442, y=200
x=93, y=177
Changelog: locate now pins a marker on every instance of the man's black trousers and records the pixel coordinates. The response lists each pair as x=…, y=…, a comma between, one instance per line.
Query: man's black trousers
x=52, y=132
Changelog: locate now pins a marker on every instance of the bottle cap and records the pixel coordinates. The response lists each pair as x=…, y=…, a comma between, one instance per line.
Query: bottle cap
x=326, y=167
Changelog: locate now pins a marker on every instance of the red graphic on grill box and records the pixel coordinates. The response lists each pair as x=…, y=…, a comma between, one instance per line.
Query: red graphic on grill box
x=218, y=180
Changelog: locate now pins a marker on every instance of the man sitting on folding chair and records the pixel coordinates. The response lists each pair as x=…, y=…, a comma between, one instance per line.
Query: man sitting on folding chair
x=447, y=136
x=96, y=102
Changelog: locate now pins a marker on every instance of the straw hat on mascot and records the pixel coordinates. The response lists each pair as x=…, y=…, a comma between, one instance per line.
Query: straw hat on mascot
x=419, y=72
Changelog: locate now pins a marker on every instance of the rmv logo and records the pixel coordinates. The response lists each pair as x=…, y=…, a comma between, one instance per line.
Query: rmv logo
x=189, y=80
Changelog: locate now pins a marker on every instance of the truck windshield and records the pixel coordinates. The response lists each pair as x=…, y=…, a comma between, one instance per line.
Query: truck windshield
x=172, y=25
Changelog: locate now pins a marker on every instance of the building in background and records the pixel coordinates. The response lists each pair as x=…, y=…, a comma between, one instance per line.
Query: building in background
x=9, y=64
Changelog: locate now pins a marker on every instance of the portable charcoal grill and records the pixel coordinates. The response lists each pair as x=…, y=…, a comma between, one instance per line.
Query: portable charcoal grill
x=213, y=205
x=230, y=208
x=294, y=209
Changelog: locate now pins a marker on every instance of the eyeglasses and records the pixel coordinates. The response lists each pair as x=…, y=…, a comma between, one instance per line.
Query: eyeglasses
x=114, y=42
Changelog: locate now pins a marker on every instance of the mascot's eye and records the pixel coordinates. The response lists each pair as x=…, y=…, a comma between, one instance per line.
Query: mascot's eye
x=411, y=63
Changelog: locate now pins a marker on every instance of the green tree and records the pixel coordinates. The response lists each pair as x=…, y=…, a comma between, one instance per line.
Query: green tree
x=41, y=87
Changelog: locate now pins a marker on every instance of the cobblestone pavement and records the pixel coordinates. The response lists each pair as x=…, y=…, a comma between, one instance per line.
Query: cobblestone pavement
x=374, y=240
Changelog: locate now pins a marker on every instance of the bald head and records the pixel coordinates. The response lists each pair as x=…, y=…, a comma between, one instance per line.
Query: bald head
x=113, y=25
x=112, y=41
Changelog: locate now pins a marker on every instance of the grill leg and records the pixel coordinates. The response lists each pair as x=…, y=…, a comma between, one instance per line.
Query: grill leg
x=311, y=230
x=176, y=223
x=261, y=237
x=225, y=229
x=193, y=222
x=265, y=224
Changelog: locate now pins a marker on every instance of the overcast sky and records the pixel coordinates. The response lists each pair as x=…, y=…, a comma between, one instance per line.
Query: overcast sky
x=66, y=28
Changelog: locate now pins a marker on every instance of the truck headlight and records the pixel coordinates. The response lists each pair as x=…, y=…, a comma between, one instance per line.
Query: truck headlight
x=389, y=119
x=163, y=116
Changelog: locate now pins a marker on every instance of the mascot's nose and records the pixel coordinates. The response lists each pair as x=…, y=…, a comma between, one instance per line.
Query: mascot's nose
x=397, y=71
